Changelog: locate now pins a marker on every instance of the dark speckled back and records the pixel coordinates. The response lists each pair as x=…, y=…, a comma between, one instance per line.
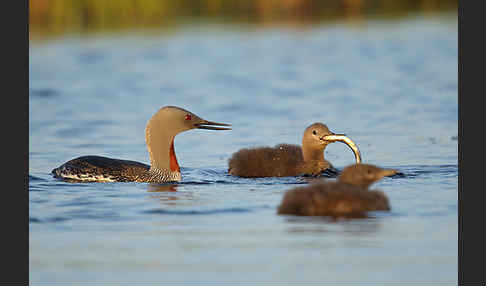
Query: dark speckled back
x=98, y=168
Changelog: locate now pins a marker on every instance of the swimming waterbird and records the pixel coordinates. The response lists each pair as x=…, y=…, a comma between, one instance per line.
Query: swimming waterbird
x=285, y=160
x=160, y=131
x=348, y=196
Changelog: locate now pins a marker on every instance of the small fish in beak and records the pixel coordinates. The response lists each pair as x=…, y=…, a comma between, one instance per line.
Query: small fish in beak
x=343, y=138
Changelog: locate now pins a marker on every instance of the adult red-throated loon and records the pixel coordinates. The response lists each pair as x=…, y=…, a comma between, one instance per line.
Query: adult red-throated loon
x=160, y=131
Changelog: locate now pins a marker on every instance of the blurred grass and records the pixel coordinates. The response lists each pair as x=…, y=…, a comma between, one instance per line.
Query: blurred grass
x=51, y=17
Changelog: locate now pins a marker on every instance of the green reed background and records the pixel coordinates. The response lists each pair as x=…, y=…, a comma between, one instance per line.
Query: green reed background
x=60, y=16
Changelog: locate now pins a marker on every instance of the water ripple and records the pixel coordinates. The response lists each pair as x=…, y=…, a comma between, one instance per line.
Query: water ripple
x=35, y=179
x=197, y=212
x=43, y=92
x=205, y=212
x=426, y=170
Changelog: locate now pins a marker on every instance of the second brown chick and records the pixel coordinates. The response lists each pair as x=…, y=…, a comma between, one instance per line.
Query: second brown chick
x=347, y=196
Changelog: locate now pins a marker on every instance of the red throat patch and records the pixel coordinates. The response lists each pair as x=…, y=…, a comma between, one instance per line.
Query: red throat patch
x=174, y=166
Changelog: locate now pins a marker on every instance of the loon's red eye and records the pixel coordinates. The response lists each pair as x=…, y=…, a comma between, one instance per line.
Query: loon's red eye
x=188, y=117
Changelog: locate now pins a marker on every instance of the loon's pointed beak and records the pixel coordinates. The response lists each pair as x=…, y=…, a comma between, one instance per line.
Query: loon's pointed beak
x=392, y=173
x=388, y=172
x=345, y=139
x=210, y=125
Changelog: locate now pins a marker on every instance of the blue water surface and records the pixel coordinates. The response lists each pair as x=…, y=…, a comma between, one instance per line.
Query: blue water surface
x=390, y=85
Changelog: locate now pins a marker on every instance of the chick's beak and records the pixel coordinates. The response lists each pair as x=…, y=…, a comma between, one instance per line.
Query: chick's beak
x=391, y=173
x=388, y=172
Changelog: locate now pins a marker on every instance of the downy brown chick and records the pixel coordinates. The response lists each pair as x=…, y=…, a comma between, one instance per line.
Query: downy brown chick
x=348, y=196
x=289, y=160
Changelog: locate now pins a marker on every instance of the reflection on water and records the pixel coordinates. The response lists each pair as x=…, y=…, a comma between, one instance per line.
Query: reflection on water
x=365, y=225
x=161, y=188
x=196, y=212
x=391, y=86
x=164, y=192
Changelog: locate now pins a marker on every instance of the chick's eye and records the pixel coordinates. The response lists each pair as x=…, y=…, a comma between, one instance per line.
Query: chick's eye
x=188, y=117
x=314, y=132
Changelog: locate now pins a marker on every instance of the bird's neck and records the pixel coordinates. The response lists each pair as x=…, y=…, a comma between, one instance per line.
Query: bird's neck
x=350, y=180
x=174, y=166
x=312, y=154
x=161, y=150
